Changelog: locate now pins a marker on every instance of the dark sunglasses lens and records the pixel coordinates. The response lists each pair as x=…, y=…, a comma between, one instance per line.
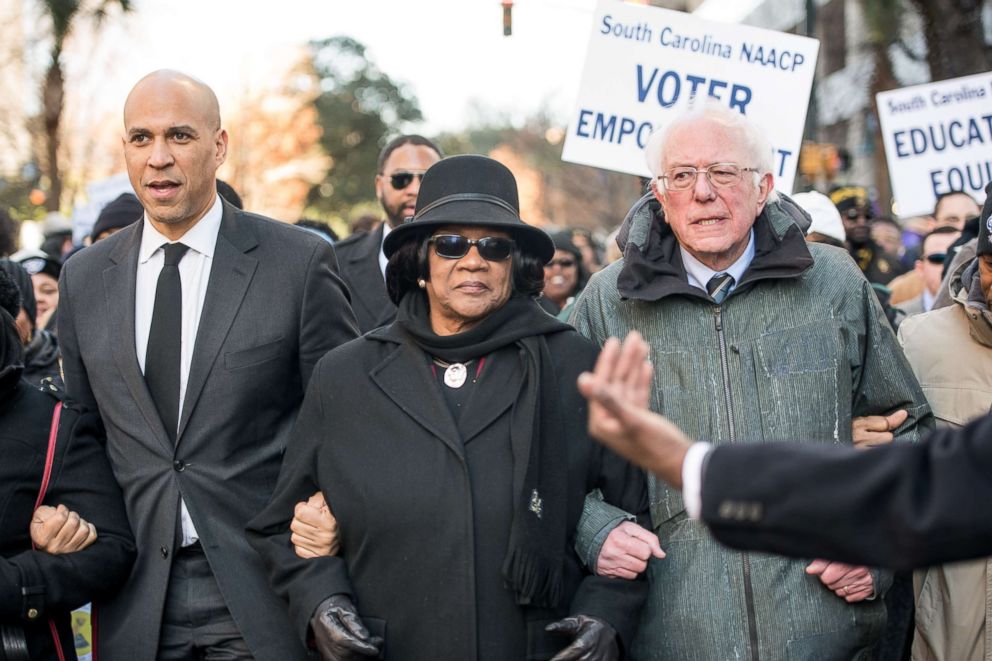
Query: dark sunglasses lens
x=401, y=180
x=450, y=246
x=937, y=258
x=495, y=249
x=564, y=263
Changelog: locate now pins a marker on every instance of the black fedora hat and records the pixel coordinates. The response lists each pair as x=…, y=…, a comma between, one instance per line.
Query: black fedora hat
x=474, y=191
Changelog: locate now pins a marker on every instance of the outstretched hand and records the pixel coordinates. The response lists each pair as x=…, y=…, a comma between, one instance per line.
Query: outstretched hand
x=618, y=390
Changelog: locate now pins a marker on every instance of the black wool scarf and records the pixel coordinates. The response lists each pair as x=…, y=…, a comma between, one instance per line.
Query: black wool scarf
x=534, y=562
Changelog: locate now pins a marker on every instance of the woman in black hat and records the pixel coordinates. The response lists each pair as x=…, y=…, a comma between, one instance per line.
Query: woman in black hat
x=452, y=448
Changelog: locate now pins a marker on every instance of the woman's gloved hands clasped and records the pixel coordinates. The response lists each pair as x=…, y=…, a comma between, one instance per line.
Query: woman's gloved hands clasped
x=339, y=633
x=592, y=639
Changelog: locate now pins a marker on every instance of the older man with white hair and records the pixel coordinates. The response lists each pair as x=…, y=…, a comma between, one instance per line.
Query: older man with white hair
x=755, y=336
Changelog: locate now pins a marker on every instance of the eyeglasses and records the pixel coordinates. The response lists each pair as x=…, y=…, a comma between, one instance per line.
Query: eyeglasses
x=565, y=263
x=400, y=180
x=936, y=257
x=720, y=175
x=456, y=246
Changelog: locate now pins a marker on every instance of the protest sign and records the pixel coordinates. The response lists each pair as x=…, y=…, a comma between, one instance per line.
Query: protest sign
x=646, y=65
x=938, y=138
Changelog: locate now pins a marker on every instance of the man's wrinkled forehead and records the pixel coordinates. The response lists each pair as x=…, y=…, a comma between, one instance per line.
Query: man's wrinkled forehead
x=687, y=141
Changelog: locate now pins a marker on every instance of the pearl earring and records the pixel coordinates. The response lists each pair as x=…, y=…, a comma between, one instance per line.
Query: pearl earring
x=422, y=283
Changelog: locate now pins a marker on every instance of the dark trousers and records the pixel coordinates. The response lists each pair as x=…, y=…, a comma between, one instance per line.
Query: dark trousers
x=196, y=624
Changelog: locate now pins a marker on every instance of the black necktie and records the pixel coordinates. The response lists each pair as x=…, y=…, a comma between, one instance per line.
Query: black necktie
x=164, y=352
x=719, y=286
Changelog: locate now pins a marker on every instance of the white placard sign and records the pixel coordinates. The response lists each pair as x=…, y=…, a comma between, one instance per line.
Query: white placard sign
x=938, y=138
x=644, y=65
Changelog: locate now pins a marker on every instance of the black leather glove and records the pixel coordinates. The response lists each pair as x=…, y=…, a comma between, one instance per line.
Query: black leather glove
x=339, y=632
x=592, y=639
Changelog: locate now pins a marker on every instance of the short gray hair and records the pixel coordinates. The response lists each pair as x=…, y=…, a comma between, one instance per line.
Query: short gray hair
x=756, y=144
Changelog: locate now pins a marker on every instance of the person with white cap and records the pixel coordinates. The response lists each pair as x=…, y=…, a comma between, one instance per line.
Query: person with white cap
x=826, y=226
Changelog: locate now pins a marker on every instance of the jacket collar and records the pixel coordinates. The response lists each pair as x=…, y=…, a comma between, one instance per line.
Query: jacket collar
x=653, y=269
x=967, y=292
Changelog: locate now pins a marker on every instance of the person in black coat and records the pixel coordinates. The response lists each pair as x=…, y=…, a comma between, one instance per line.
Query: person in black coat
x=361, y=261
x=41, y=353
x=898, y=506
x=38, y=587
x=451, y=447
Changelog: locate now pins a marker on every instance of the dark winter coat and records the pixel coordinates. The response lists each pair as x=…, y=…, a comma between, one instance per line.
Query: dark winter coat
x=424, y=510
x=36, y=586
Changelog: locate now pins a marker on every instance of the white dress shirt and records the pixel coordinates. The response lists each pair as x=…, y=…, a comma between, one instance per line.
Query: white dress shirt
x=692, y=467
x=194, y=273
x=386, y=229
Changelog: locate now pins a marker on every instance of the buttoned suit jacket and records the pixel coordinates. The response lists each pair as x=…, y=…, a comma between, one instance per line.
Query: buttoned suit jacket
x=274, y=305
x=900, y=506
x=358, y=257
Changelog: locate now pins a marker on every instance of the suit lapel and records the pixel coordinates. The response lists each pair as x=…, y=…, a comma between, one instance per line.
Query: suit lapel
x=404, y=377
x=119, y=288
x=368, y=279
x=231, y=272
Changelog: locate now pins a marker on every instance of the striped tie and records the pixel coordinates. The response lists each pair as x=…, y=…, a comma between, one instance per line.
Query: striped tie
x=719, y=286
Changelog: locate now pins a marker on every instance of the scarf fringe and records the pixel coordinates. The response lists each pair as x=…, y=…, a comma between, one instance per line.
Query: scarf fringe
x=535, y=581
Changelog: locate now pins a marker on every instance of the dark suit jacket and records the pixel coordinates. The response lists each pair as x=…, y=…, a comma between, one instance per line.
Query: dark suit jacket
x=358, y=257
x=899, y=506
x=274, y=306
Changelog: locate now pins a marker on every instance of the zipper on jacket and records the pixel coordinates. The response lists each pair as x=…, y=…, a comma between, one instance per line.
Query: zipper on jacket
x=752, y=626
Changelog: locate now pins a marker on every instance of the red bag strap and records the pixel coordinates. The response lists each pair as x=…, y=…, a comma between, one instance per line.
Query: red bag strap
x=53, y=434
x=46, y=477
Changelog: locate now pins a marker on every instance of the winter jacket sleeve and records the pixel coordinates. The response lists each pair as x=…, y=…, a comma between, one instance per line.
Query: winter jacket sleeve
x=303, y=582
x=33, y=583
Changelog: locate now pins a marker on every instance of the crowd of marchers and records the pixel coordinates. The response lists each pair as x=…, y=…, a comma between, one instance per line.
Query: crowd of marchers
x=243, y=439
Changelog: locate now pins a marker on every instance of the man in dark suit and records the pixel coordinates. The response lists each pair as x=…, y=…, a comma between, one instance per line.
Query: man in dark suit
x=194, y=332
x=400, y=167
x=901, y=506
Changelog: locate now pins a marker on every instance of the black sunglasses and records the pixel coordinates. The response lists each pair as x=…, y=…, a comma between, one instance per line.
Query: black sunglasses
x=937, y=257
x=400, y=180
x=565, y=263
x=854, y=214
x=456, y=246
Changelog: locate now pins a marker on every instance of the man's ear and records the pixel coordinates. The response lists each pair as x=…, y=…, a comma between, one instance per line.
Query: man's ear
x=765, y=187
x=221, y=145
x=658, y=195
x=378, y=187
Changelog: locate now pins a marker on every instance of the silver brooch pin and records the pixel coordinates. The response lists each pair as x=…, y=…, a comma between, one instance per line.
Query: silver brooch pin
x=536, y=503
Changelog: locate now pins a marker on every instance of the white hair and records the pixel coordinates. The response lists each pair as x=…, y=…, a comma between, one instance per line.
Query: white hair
x=756, y=145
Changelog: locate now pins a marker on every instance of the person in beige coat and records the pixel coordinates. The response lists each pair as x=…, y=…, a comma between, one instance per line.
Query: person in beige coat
x=950, y=350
